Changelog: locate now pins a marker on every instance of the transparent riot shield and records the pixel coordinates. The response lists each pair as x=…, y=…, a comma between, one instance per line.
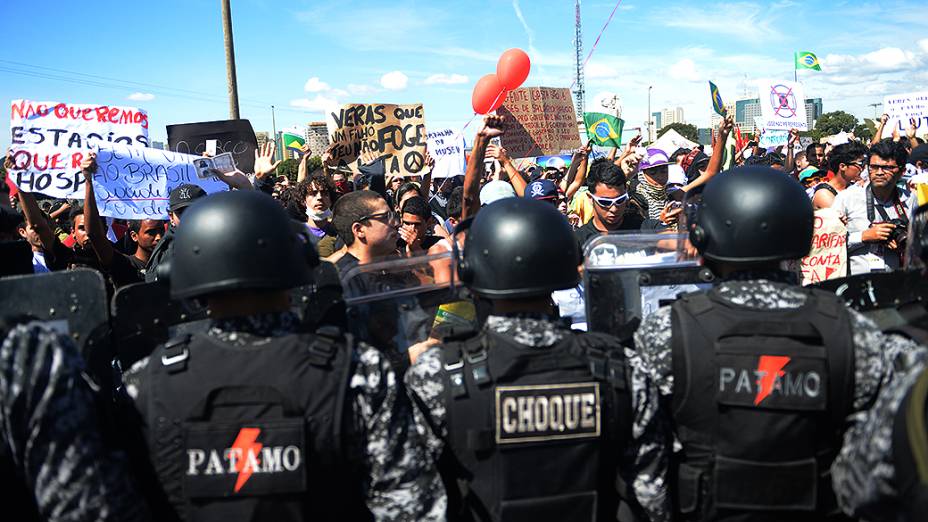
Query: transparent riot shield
x=145, y=316
x=888, y=298
x=628, y=276
x=71, y=302
x=397, y=303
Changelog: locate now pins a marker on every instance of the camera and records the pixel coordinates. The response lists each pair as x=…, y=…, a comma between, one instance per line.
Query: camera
x=900, y=232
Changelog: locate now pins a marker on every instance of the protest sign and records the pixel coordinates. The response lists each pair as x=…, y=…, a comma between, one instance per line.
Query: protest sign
x=130, y=182
x=902, y=107
x=235, y=136
x=539, y=121
x=828, y=257
x=395, y=131
x=446, y=147
x=65, y=131
x=782, y=105
x=773, y=138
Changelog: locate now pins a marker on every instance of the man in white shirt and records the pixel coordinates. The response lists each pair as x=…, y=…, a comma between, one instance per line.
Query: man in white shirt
x=877, y=213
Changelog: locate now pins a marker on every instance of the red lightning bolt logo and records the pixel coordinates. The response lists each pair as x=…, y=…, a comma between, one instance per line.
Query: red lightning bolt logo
x=769, y=367
x=245, y=442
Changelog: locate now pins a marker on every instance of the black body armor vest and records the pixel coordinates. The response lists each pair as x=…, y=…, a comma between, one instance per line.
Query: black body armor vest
x=910, y=450
x=253, y=433
x=535, y=433
x=759, y=402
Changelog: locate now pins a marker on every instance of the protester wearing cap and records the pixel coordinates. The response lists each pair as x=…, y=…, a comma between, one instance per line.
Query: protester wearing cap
x=495, y=191
x=810, y=178
x=649, y=188
x=543, y=190
x=181, y=197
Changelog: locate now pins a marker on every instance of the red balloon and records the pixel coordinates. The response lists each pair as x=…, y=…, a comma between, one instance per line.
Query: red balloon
x=488, y=94
x=512, y=68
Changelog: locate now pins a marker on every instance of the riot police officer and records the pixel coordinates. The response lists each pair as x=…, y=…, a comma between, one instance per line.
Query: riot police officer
x=55, y=463
x=531, y=420
x=880, y=473
x=756, y=377
x=254, y=420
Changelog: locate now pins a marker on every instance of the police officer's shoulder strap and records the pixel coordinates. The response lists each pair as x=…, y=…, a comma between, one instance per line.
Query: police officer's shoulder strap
x=470, y=345
x=605, y=356
x=175, y=354
x=696, y=303
x=324, y=345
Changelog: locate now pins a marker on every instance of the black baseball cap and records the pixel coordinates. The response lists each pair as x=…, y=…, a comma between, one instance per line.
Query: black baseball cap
x=183, y=195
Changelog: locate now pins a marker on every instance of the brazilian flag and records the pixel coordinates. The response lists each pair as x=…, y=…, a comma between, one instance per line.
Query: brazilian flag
x=603, y=129
x=292, y=142
x=807, y=60
x=717, y=104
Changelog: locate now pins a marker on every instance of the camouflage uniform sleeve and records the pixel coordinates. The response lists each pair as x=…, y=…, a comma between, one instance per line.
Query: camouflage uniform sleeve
x=403, y=482
x=50, y=425
x=651, y=382
x=426, y=387
x=863, y=473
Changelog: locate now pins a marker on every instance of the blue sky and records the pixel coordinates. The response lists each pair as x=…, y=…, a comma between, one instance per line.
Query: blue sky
x=166, y=56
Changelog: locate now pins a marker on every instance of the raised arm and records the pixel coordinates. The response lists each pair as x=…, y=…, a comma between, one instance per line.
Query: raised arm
x=33, y=215
x=715, y=162
x=425, y=188
x=790, y=144
x=301, y=171
x=474, y=172
x=910, y=132
x=582, y=159
x=879, y=130
x=95, y=232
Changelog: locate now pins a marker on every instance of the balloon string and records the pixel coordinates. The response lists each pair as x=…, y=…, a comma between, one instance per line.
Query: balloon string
x=614, y=9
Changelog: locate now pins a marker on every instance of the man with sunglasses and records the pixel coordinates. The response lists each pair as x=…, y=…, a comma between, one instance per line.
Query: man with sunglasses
x=847, y=162
x=367, y=225
x=877, y=213
x=611, y=209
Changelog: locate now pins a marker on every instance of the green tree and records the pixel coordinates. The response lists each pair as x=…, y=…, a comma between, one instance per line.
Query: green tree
x=686, y=130
x=313, y=163
x=863, y=132
x=288, y=168
x=832, y=123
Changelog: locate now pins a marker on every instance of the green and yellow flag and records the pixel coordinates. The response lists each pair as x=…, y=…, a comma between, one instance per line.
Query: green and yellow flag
x=717, y=105
x=807, y=60
x=292, y=142
x=603, y=129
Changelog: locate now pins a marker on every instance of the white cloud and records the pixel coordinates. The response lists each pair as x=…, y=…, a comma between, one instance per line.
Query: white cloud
x=314, y=84
x=355, y=88
x=885, y=60
x=394, y=81
x=743, y=20
x=445, y=79
x=318, y=104
x=141, y=96
x=684, y=69
x=923, y=44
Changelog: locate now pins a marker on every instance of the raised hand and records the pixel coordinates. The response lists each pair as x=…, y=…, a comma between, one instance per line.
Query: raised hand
x=264, y=160
x=305, y=151
x=89, y=165
x=910, y=131
x=883, y=119
x=793, y=137
x=492, y=126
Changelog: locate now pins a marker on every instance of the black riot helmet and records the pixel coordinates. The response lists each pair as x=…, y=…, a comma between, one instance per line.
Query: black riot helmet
x=517, y=248
x=237, y=240
x=751, y=215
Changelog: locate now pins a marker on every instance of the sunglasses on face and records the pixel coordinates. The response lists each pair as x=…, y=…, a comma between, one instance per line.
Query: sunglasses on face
x=387, y=217
x=610, y=202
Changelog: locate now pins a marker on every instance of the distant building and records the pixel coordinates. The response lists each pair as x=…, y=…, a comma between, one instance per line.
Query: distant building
x=317, y=137
x=656, y=120
x=705, y=136
x=262, y=137
x=716, y=119
x=669, y=116
x=157, y=145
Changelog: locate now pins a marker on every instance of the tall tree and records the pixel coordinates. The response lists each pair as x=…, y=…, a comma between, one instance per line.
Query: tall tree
x=686, y=130
x=832, y=123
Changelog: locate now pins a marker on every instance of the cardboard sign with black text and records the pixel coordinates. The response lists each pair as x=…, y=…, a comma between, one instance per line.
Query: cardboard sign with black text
x=235, y=136
x=395, y=131
x=539, y=121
